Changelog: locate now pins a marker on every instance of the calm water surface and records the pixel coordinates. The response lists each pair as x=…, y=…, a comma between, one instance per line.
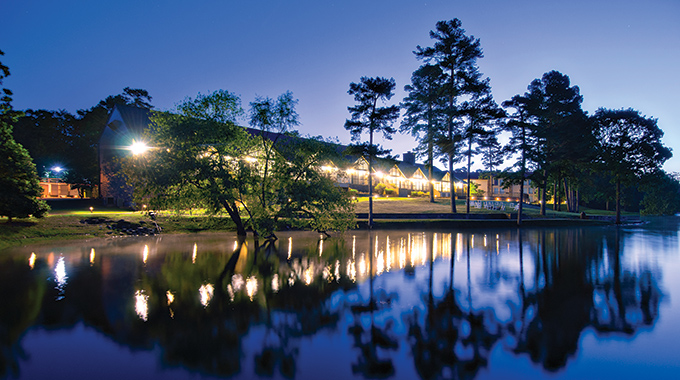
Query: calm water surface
x=568, y=303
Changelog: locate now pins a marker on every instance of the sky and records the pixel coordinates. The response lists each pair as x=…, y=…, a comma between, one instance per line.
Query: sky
x=71, y=54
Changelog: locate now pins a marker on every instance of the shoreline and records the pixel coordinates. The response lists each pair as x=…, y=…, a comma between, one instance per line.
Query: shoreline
x=74, y=229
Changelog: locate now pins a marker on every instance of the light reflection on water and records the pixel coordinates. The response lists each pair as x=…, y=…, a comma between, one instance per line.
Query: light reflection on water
x=427, y=304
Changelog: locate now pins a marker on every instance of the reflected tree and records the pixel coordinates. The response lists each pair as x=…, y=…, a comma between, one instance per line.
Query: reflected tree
x=369, y=363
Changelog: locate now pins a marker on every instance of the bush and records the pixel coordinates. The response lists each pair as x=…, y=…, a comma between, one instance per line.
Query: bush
x=383, y=189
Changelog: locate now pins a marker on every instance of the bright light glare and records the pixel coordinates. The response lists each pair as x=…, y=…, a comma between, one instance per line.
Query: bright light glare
x=138, y=147
x=57, y=169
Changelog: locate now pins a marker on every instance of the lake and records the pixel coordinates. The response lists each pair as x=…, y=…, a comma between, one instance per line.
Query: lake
x=556, y=303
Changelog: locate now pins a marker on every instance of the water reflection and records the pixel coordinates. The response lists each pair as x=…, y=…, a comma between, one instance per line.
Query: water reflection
x=370, y=304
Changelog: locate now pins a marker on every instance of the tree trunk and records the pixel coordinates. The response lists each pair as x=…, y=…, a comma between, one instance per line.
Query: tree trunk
x=568, y=196
x=450, y=122
x=521, y=199
x=469, y=163
x=370, y=181
x=554, y=195
x=543, y=200
x=430, y=156
x=618, y=201
x=232, y=210
x=452, y=188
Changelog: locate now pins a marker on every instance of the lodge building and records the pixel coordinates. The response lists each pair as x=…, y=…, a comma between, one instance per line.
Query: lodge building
x=405, y=177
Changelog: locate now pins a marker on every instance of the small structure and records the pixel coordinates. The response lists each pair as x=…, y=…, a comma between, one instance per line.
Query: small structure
x=124, y=126
x=57, y=188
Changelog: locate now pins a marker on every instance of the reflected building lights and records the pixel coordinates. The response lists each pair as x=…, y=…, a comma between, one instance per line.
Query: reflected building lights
x=206, y=293
x=435, y=246
x=145, y=253
x=459, y=246
x=60, y=277
x=92, y=257
x=251, y=287
x=237, y=282
x=230, y=291
x=275, y=283
x=327, y=275
x=31, y=260
x=321, y=246
x=388, y=253
x=290, y=247
x=402, y=253
x=375, y=249
x=60, y=272
x=423, y=249
x=170, y=296
x=362, y=266
x=337, y=270
x=352, y=270
x=142, y=305
x=308, y=275
x=193, y=255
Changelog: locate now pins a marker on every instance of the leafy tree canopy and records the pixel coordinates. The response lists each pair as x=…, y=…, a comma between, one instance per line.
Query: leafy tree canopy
x=210, y=162
x=19, y=183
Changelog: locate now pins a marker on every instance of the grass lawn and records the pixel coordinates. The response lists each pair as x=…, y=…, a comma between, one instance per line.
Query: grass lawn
x=63, y=222
x=66, y=225
x=442, y=206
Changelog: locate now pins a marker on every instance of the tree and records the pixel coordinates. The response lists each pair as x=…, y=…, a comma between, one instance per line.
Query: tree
x=19, y=182
x=88, y=128
x=5, y=94
x=521, y=141
x=221, y=106
x=49, y=138
x=456, y=54
x=423, y=118
x=562, y=138
x=479, y=111
x=662, y=194
x=630, y=146
x=367, y=116
x=211, y=162
x=491, y=151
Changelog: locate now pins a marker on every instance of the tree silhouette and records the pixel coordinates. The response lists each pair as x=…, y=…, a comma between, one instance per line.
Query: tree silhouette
x=630, y=147
x=367, y=116
x=19, y=182
x=424, y=108
x=456, y=54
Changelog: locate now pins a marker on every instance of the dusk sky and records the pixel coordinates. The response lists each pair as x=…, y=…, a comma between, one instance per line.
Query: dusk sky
x=71, y=54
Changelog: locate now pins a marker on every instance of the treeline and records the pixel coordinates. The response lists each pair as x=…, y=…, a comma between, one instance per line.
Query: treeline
x=59, y=139
x=612, y=155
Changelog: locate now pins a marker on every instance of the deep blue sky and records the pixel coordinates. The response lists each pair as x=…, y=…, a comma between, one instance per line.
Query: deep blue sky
x=70, y=54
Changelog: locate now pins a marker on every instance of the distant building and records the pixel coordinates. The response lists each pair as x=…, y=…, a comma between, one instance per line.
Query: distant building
x=56, y=188
x=126, y=123
x=495, y=190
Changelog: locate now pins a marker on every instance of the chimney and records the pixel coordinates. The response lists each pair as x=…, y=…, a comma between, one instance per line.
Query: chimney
x=410, y=158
